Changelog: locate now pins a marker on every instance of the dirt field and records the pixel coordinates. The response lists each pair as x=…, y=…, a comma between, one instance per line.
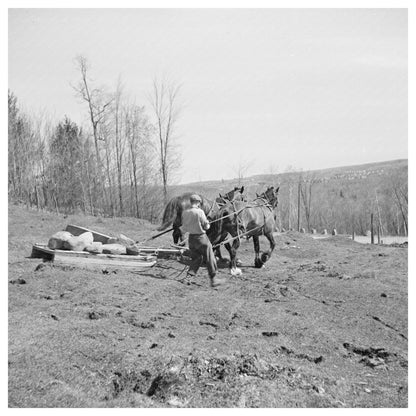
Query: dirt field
x=324, y=324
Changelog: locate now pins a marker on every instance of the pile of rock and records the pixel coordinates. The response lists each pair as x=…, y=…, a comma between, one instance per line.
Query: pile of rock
x=64, y=240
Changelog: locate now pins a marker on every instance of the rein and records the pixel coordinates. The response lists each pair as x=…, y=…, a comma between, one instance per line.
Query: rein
x=228, y=240
x=265, y=204
x=212, y=206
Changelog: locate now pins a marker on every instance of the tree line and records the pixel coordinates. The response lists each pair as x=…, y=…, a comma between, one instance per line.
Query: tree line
x=119, y=163
x=345, y=204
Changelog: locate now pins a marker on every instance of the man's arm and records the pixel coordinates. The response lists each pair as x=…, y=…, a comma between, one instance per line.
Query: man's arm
x=203, y=220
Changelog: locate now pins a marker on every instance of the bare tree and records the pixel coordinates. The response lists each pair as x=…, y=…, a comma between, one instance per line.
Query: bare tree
x=119, y=143
x=164, y=100
x=98, y=104
x=305, y=186
x=399, y=184
x=25, y=153
x=241, y=169
x=139, y=133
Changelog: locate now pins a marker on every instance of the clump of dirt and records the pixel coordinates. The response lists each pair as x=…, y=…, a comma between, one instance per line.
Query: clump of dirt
x=94, y=315
x=18, y=281
x=284, y=350
x=163, y=382
x=373, y=357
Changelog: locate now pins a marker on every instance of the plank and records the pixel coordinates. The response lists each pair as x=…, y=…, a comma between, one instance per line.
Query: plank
x=95, y=261
x=77, y=230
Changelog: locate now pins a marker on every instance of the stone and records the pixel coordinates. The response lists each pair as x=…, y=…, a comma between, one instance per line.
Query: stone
x=96, y=247
x=121, y=239
x=125, y=241
x=114, y=249
x=133, y=250
x=56, y=242
x=79, y=243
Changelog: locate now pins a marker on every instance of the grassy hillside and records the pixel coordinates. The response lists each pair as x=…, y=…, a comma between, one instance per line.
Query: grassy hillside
x=377, y=171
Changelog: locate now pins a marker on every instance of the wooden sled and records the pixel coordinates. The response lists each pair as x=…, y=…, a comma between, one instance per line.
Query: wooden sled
x=85, y=259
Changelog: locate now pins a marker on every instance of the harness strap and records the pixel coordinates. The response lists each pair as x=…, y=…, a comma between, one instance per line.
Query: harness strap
x=228, y=240
x=266, y=204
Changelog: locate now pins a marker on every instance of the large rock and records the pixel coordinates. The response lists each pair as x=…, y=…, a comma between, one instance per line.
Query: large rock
x=80, y=242
x=133, y=250
x=121, y=239
x=95, y=247
x=114, y=249
x=56, y=242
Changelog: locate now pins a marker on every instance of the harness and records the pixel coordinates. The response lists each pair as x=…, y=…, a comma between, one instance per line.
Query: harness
x=239, y=221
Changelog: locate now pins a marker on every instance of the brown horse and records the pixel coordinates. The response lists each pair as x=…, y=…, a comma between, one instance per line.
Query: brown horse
x=249, y=219
x=174, y=208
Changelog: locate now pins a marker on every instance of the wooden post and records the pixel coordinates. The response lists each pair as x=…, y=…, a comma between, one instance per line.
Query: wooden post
x=290, y=207
x=372, y=228
x=299, y=207
x=378, y=235
x=353, y=228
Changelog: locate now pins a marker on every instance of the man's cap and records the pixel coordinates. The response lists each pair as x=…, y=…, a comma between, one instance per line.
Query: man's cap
x=195, y=198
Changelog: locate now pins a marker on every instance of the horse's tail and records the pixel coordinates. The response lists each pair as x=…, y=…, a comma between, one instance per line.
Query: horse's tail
x=168, y=215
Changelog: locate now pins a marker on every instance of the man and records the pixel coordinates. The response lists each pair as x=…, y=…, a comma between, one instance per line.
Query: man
x=195, y=223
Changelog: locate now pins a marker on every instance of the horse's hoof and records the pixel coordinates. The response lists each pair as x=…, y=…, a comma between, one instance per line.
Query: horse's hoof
x=236, y=271
x=258, y=263
x=265, y=257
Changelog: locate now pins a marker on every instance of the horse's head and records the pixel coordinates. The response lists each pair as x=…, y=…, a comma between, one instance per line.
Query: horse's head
x=270, y=195
x=235, y=194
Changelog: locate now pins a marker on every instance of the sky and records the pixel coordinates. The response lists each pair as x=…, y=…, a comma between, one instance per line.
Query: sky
x=262, y=89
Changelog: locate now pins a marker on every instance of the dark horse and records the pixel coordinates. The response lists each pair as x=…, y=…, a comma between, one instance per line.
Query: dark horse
x=174, y=208
x=248, y=219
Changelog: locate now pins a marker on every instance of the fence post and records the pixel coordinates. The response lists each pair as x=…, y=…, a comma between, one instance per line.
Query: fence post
x=372, y=228
x=299, y=207
x=353, y=227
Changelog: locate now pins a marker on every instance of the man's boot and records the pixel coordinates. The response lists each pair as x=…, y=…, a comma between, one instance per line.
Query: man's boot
x=216, y=281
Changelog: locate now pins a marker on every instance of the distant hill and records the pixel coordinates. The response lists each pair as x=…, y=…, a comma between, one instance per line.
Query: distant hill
x=341, y=198
x=256, y=183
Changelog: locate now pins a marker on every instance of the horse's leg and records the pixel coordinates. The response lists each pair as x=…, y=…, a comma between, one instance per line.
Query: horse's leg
x=235, y=271
x=266, y=255
x=257, y=262
x=229, y=248
x=177, y=234
x=221, y=238
x=218, y=253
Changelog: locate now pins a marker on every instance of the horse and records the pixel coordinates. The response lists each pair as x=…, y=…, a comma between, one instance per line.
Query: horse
x=172, y=214
x=251, y=219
